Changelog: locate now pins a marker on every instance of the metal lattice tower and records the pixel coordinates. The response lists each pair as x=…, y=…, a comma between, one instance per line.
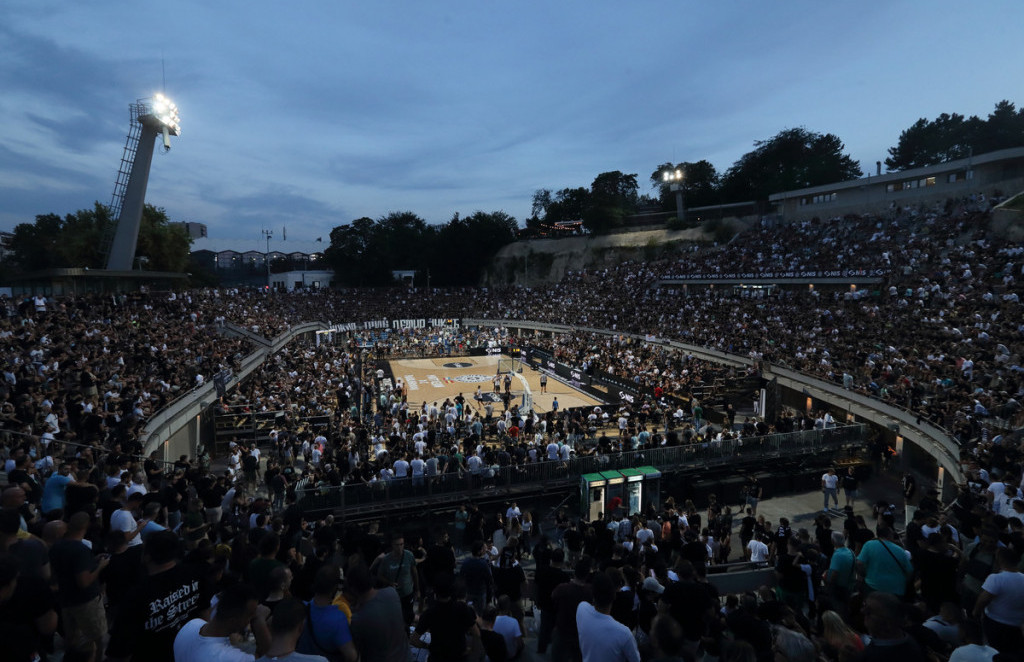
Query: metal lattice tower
x=149, y=119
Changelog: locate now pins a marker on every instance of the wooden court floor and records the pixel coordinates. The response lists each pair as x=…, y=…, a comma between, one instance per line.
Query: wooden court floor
x=433, y=380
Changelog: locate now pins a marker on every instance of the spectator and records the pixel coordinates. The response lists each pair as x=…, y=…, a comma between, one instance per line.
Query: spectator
x=885, y=565
x=1001, y=603
x=77, y=572
x=327, y=629
x=237, y=609
x=378, y=629
x=601, y=637
x=150, y=615
x=449, y=622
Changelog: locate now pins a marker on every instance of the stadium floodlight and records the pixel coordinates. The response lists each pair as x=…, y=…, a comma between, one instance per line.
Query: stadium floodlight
x=672, y=175
x=164, y=114
x=674, y=178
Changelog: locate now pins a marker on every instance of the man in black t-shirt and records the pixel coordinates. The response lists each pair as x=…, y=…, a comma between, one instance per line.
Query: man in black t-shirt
x=155, y=609
x=691, y=603
x=546, y=579
x=78, y=588
x=449, y=622
x=850, y=485
x=27, y=611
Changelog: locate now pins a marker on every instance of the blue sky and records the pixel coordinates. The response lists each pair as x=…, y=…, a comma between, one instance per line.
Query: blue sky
x=310, y=114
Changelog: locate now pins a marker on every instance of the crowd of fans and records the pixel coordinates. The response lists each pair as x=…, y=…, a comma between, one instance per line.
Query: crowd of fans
x=183, y=563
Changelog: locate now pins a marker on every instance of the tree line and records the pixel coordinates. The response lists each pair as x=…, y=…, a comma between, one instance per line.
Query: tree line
x=52, y=242
x=366, y=252
x=792, y=159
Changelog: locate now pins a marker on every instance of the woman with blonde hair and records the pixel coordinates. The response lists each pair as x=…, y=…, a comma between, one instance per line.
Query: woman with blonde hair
x=837, y=636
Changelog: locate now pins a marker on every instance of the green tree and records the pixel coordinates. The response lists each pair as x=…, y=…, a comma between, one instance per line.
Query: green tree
x=464, y=247
x=348, y=253
x=542, y=199
x=946, y=138
x=365, y=252
x=1004, y=128
x=52, y=242
x=81, y=235
x=164, y=246
x=568, y=205
x=613, y=196
x=952, y=136
x=792, y=159
x=401, y=242
x=36, y=245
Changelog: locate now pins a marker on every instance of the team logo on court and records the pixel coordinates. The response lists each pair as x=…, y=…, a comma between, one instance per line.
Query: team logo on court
x=470, y=379
x=458, y=364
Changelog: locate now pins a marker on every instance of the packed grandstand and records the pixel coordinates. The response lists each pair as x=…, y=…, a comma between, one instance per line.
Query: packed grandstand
x=88, y=510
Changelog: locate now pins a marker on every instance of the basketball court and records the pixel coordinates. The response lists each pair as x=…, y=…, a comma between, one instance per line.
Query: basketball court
x=433, y=380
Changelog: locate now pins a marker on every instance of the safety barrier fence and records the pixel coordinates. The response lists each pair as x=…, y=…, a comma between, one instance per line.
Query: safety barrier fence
x=732, y=452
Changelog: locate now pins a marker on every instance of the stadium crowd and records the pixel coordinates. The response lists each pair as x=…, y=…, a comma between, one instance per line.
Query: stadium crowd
x=148, y=560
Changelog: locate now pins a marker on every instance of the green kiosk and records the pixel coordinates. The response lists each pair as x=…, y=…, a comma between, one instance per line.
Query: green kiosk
x=651, y=494
x=634, y=491
x=591, y=496
x=637, y=488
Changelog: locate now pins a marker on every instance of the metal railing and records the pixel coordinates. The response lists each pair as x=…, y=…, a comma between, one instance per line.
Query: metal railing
x=552, y=473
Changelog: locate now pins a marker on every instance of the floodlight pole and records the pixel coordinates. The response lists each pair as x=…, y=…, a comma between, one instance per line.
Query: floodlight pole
x=126, y=237
x=156, y=117
x=268, y=234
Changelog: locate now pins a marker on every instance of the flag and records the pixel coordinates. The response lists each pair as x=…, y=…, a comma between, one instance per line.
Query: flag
x=284, y=234
x=320, y=239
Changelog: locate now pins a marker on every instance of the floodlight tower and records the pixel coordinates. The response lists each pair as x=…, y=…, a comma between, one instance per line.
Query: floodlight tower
x=674, y=179
x=150, y=119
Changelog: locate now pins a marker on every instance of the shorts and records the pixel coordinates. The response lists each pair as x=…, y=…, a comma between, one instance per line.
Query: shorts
x=85, y=624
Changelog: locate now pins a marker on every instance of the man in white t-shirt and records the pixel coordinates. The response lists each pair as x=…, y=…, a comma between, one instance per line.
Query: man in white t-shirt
x=757, y=551
x=418, y=467
x=401, y=467
x=552, y=449
x=601, y=636
x=123, y=519
x=1002, y=494
x=508, y=628
x=420, y=443
x=1001, y=602
x=237, y=609
x=830, y=486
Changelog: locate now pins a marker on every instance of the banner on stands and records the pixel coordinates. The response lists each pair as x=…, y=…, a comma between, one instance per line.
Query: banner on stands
x=746, y=275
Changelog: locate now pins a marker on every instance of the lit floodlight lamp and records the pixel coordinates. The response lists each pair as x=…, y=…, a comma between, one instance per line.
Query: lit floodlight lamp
x=167, y=113
x=164, y=114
